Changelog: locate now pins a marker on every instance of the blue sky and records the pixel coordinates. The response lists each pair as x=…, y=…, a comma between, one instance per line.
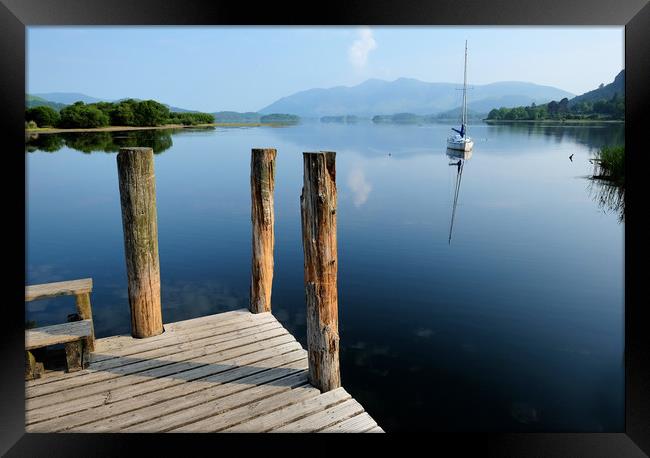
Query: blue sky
x=247, y=68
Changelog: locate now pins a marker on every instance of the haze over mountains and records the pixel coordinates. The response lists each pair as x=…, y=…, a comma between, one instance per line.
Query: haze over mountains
x=379, y=97
x=408, y=95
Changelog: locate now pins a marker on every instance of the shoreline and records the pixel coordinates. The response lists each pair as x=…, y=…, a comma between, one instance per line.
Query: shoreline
x=52, y=130
x=557, y=121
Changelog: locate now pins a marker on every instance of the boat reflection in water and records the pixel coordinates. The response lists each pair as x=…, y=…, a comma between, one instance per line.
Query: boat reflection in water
x=458, y=159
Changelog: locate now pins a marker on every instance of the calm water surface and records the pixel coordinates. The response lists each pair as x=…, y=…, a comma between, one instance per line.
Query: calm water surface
x=516, y=324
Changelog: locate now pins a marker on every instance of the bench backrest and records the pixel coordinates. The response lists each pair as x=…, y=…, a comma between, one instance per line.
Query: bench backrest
x=61, y=288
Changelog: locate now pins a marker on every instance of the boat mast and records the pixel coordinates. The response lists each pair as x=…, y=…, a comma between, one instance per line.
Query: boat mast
x=465, y=92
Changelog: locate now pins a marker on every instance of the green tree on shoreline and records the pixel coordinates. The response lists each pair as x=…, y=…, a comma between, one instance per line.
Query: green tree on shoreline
x=128, y=112
x=43, y=116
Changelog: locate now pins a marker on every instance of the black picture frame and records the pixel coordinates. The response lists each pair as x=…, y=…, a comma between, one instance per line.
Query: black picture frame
x=16, y=15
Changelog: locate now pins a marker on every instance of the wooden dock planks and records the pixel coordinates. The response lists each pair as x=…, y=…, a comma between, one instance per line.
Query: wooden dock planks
x=230, y=372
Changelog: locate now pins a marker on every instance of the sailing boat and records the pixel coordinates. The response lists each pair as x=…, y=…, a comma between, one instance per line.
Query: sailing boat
x=460, y=141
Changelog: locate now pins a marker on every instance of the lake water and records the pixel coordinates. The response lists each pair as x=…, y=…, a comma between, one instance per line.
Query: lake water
x=515, y=324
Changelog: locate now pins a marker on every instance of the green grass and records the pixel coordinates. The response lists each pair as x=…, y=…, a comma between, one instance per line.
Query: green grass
x=610, y=164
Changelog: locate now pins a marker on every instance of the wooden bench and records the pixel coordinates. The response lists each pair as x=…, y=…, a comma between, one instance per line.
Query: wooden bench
x=78, y=337
x=73, y=335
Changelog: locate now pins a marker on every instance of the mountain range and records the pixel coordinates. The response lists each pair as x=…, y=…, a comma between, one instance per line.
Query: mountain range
x=58, y=100
x=379, y=97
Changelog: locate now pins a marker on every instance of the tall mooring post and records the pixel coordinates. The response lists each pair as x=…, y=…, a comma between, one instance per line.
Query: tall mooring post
x=262, y=187
x=139, y=221
x=318, y=215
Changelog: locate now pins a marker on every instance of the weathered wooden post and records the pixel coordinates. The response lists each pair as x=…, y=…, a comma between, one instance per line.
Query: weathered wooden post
x=318, y=215
x=85, y=312
x=139, y=221
x=262, y=186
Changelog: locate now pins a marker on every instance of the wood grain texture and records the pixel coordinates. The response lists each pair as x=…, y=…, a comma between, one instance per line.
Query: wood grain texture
x=59, y=288
x=57, y=334
x=85, y=312
x=318, y=216
x=73, y=355
x=135, y=168
x=250, y=375
x=263, y=220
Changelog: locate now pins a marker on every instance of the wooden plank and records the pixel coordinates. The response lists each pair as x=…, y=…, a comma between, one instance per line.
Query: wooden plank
x=323, y=419
x=57, y=334
x=200, y=418
x=144, y=364
x=195, y=334
x=357, y=424
x=235, y=331
x=291, y=413
x=172, y=371
x=165, y=391
x=214, y=318
x=376, y=429
x=108, y=345
x=127, y=410
x=249, y=411
x=139, y=346
x=147, y=370
x=148, y=418
x=232, y=375
x=60, y=288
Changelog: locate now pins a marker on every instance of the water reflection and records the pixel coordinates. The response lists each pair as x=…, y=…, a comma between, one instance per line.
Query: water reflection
x=360, y=187
x=591, y=134
x=109, y=142
x=610, y=197
x=507, y=309
x=461, y=157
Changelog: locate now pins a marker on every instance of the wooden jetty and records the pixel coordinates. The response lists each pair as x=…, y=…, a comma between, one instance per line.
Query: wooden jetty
x=232, y=372
x=238, y=371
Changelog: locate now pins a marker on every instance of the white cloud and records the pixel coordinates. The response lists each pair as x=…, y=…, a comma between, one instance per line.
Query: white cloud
x=359, y=50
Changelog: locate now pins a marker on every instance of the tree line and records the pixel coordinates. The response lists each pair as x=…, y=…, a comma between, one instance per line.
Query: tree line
x=603, y=109
x=129, y=112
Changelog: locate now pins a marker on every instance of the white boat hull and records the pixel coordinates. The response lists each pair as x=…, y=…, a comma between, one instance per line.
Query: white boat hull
x=460, y=145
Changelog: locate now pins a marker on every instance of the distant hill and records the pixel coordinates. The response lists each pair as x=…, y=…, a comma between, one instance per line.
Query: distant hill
x=455, y=114
x=32, y=101
x=408, y=95
x=605, y=103
x=603, y=93
x=58, y=100
x=68, y=98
